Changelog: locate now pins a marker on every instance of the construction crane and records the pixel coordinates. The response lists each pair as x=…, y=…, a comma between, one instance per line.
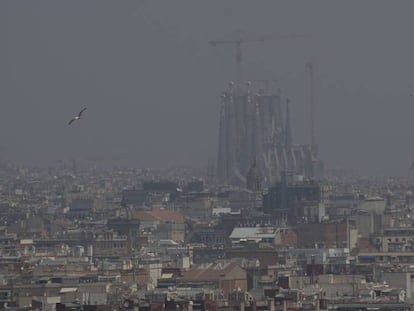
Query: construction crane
x=309, y=66
x=265, y=82
x=238, y=46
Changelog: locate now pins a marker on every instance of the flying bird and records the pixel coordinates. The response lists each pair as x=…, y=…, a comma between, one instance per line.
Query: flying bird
x=77, y=117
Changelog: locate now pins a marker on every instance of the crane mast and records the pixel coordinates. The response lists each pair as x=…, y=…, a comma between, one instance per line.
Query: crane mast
x=312, y=108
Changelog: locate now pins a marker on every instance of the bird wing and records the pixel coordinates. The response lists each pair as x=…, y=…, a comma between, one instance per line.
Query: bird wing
x=80, y=112
x=71, y=121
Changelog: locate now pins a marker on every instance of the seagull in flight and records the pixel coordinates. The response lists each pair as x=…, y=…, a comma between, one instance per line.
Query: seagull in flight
x=77, y=117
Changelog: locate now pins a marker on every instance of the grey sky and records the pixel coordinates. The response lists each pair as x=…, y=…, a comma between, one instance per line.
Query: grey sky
x=152, y=83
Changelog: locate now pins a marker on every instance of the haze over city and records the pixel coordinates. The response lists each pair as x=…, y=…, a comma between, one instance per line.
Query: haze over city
x=213, y=155
x=152, y=83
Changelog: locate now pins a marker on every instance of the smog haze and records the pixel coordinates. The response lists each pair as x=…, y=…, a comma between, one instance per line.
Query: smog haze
x=152, y=83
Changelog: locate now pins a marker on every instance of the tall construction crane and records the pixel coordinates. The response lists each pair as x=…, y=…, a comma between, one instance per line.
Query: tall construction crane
x=238, y=46
x=309, y=66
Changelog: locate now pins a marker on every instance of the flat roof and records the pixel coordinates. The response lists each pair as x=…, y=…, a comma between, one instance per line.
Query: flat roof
x=68, y=290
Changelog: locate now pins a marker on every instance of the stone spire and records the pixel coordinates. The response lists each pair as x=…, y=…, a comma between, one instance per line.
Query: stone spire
x=288, y=130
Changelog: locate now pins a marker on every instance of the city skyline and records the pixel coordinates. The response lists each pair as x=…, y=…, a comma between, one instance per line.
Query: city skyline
x=152, y=83
x=206, y=156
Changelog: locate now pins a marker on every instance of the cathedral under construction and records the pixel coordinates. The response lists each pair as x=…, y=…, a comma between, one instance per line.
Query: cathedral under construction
x=255, y=130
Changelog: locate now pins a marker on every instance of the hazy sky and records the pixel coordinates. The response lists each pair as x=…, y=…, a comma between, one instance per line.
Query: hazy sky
x=152, y=83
